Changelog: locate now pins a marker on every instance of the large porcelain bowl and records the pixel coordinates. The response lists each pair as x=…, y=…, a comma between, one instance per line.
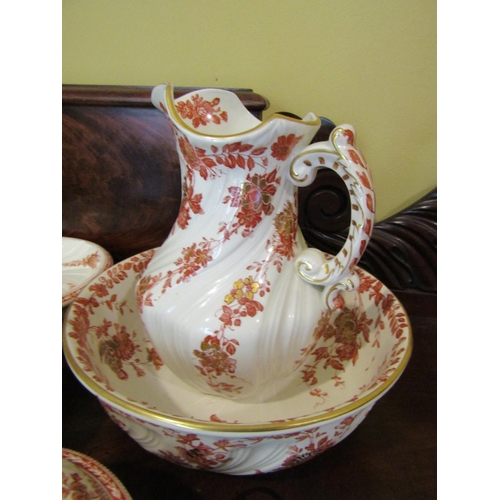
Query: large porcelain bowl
x=357, y=355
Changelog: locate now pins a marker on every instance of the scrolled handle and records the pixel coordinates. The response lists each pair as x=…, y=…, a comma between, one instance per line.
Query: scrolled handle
x=340, y=154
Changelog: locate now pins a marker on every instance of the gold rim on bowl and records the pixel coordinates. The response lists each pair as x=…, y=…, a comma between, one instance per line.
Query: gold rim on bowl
x=157, y=417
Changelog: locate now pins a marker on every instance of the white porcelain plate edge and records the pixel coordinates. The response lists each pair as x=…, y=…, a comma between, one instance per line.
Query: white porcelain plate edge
x=82, y=261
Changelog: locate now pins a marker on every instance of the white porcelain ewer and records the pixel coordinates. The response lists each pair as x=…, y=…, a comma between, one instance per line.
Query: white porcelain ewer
x=233, y=299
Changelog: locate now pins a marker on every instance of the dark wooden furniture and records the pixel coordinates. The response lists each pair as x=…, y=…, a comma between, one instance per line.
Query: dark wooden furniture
x=121, y=189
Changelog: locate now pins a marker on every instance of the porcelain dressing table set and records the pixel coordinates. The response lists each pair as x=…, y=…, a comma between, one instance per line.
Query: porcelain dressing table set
x=234, y=347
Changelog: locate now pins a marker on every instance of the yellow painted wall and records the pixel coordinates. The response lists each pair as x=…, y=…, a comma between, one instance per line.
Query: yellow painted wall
x=370, y=63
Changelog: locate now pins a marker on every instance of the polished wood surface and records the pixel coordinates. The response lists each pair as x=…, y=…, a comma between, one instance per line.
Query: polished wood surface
x=140, y=96
x=390, y=456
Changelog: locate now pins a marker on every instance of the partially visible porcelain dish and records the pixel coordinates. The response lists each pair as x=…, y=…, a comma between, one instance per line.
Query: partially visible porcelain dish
x=358, y=353
x=82, y=261
x=83, y=477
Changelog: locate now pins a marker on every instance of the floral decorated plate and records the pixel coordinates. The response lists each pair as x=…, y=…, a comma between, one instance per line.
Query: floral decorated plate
x=356, y=356
x=82, y=261
x=83, y=477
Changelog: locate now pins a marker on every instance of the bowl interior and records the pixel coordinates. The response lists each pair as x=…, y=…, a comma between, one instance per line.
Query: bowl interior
x=360, y=352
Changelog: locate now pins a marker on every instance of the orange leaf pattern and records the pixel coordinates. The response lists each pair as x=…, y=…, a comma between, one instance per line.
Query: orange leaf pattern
x=208, y=165
x=338, y=342
x=190, y=449
x=91, y=260
x=117, y=347
x=214, y=358
x=253, y=201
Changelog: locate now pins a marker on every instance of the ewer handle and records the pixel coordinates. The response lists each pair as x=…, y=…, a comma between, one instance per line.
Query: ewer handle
x=340, y=154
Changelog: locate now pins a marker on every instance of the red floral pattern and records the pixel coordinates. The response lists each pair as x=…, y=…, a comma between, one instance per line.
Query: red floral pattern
x=338, y=343
x=192, y=450
x=196, y=159
x=85, y=479
x=284, y=237
x=349, y=329
x=283, y=147
x=74, y=487
x=208, y=165
x=237, y=155
x=243, y=300
x=191, y=203
x=117, y=347
x=317, y=442
x=233, y=155
x=253, y=199
x=91, y=260
x=192, y=259
x=201, y=111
